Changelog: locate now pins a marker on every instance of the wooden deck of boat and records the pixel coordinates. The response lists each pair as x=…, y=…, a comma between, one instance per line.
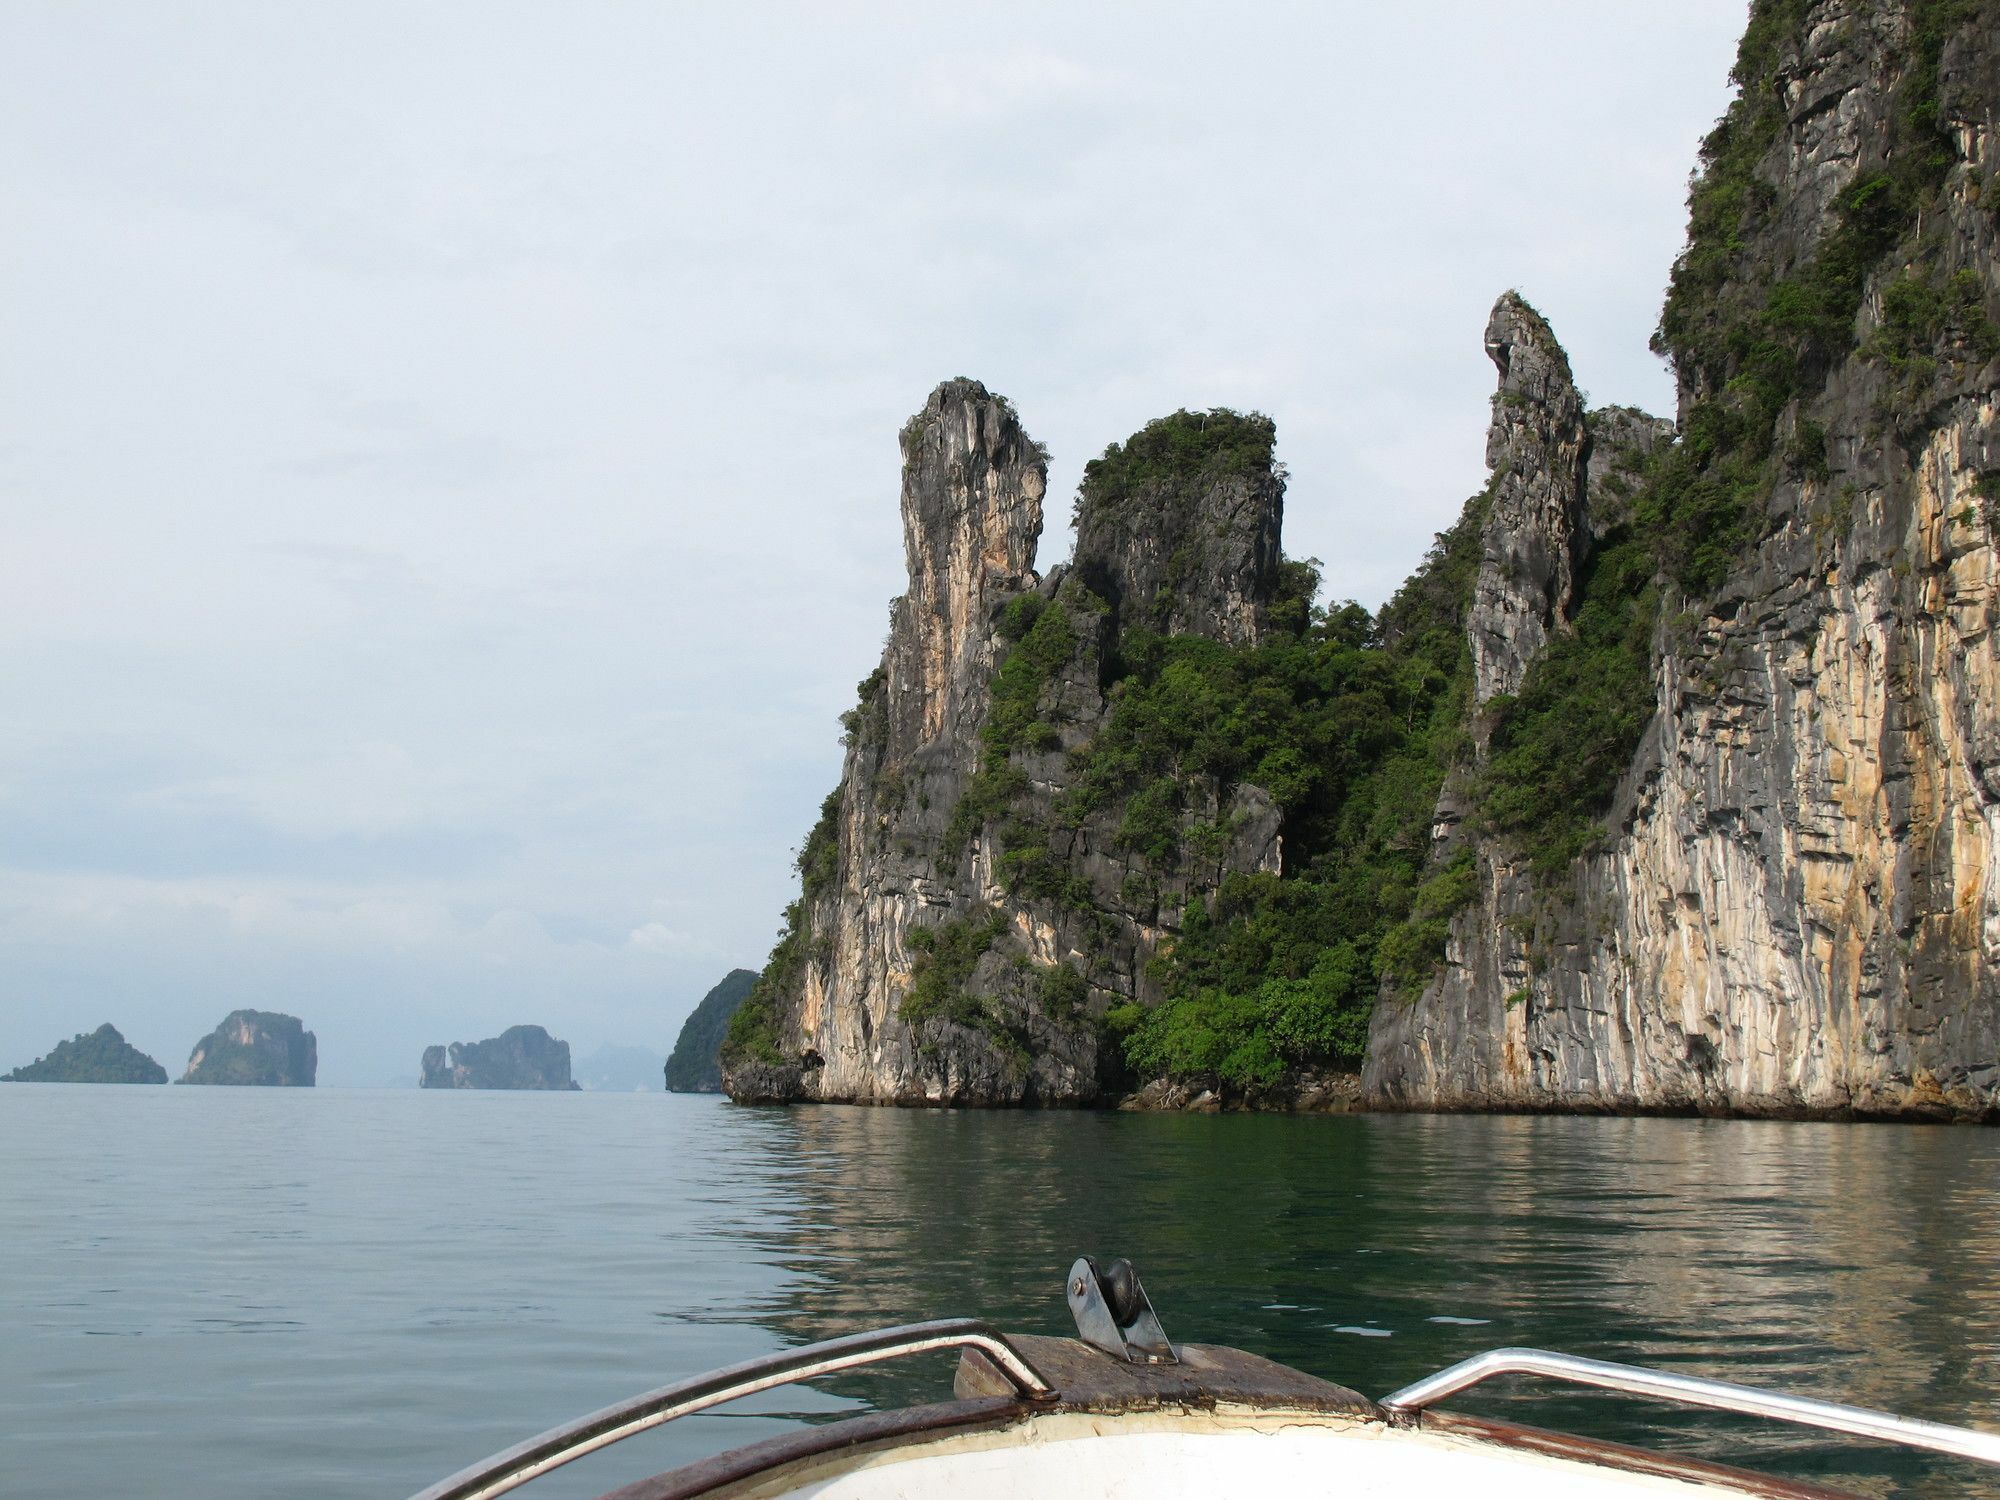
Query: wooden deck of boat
x=1208, y=1375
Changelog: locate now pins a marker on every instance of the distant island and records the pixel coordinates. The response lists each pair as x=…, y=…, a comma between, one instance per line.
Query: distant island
x=100, y=1056
x=256, y=1049
x=694, y=1067
x=521, y=1057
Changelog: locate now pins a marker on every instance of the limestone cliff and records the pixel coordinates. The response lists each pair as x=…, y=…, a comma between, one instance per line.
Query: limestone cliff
x=256, y=1048
x=1535, y=449
x=1669, y=781
x=521, y=1057
x=1792, y=903
x=970, y=909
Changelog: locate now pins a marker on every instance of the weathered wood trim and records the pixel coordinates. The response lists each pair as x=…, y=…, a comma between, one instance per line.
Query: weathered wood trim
x=1088, y=1379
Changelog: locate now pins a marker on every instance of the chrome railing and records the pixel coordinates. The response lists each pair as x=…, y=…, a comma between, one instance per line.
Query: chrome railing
x=1692, y=1390
x=560, y=1445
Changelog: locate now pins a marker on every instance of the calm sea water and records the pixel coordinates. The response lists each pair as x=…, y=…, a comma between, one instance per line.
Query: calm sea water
x=245, y=1292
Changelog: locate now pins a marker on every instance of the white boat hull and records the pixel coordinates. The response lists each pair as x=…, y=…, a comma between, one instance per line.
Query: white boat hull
x=1147, y=1456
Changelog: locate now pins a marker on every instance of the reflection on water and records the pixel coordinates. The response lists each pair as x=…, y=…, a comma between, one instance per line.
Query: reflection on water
x=352, y=1292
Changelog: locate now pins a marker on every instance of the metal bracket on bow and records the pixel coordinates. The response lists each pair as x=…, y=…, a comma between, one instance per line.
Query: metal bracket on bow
x=1114, y=1314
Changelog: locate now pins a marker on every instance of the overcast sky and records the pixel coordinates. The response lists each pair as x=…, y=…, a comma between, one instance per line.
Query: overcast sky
x=448, y=450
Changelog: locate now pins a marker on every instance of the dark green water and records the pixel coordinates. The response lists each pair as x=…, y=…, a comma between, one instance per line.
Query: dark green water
x=248, y=1292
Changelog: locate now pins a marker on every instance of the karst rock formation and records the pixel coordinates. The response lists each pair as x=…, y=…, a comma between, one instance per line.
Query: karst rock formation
x=1780, y=893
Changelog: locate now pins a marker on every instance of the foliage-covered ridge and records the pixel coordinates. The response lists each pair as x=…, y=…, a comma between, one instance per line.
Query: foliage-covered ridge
x=1184, y=447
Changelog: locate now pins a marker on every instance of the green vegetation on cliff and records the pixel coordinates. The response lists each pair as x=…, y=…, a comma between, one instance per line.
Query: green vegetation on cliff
x=751, y=1034
x=1747, y=332
x=1352, y=727
x=1746, y=317
x=946, y=955
x=941, y=974
x=1042, y=641
x=1559, y=746
x=1350, y=723
x=100, y=1056
x=1754, y=325
x=1185, y=448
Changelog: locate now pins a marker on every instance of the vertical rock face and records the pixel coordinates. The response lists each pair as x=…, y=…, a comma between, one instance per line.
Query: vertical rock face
x=972, y=513
x=256, y=1047
x=521, y=1057
x=1621, y=439
x=1795, y=907
x=963, y=922
x=1535, y=449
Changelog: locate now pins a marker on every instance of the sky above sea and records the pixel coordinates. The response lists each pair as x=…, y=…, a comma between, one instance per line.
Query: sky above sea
x=448, y=450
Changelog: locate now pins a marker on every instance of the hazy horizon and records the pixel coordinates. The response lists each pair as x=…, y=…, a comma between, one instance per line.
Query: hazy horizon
x=450, y=459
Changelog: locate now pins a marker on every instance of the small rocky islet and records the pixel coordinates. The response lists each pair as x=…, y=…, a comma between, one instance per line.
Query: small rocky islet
x=256, y=1049
x=268, y=1049
x=521, y=1057
x=100, y=1056
x=250, y=1048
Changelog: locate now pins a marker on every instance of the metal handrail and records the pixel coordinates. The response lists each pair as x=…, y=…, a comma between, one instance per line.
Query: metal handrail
x=560, y=1445
x=1717, y=1395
